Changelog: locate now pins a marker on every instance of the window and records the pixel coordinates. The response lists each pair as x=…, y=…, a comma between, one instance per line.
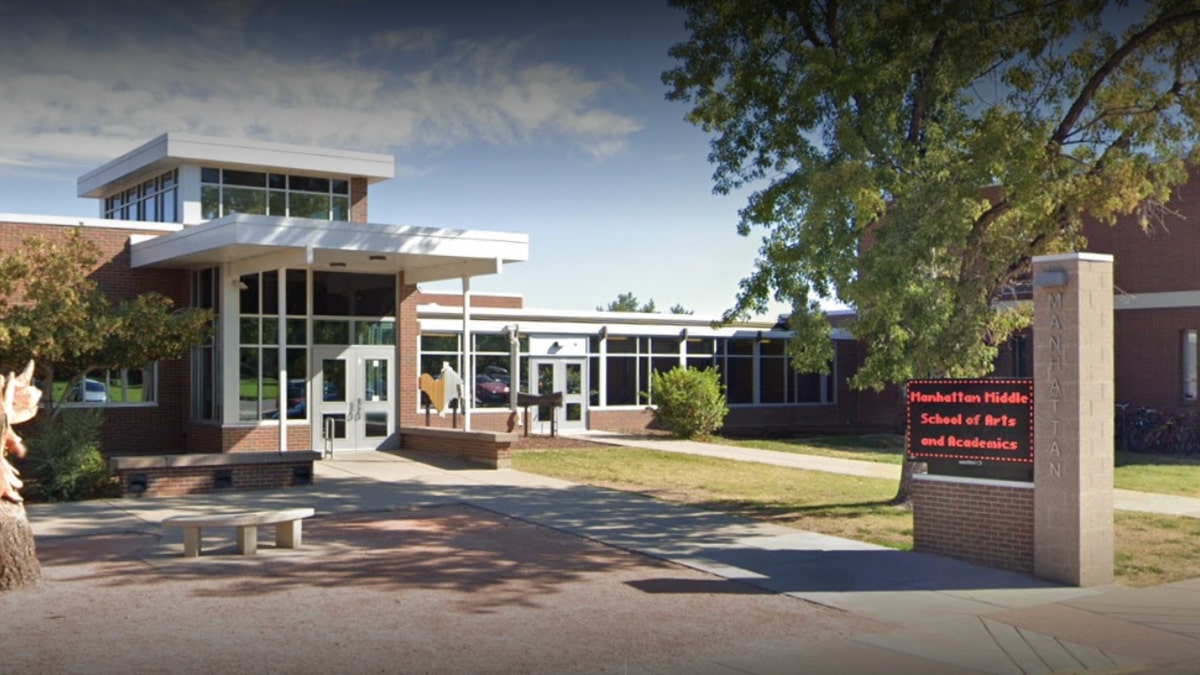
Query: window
x=112, y=388
x=492, y=354
x=206, y=366
x=260, y=358
x=739, y=370
x=772, y=371
x=153, y=200
x=226, y=191
x=629, y=364
x=1188, y=362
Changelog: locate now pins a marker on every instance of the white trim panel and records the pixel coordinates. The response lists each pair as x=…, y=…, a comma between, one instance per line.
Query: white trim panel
x=1165, y=300
x=75, y=221
x=336, y=245
x=173, y=149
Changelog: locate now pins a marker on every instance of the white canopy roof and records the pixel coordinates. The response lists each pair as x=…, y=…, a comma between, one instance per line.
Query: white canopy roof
x=265, y=242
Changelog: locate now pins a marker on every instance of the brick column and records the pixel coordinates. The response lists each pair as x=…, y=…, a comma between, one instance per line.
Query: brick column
x=358, y=200
x=1073, y=419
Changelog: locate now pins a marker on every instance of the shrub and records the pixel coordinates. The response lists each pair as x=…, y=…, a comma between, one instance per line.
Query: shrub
x=689, y=402
x=64, y=460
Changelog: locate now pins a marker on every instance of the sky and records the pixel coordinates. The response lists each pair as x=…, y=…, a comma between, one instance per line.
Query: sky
x=544, y=118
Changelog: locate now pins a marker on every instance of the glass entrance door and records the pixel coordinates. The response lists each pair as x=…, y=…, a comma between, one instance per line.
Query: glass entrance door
x=566, y=376
x=353, y=386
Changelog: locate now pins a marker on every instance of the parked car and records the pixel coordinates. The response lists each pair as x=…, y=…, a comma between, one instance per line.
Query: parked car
x=89, y=391
x=489, y=391
x=297, y=392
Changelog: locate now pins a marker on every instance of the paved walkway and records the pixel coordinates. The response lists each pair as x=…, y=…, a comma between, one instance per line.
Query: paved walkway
x=949, y=616
x=1125, y=500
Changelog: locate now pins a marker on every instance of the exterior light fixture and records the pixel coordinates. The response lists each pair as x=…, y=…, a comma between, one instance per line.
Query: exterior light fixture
x=337, y=264
x=377, y=257
x=1050, y=278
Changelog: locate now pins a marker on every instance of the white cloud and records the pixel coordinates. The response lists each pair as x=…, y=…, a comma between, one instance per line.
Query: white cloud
x=70, y=97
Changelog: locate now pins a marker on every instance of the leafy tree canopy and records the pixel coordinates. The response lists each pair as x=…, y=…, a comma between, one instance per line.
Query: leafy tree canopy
x=628, y=302
x=908, y=159
x=51, y=311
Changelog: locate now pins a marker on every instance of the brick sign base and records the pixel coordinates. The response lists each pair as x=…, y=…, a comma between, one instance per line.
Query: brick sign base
x=985, y=522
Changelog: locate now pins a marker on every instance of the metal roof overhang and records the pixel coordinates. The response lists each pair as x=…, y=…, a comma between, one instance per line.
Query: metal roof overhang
x=253, y=243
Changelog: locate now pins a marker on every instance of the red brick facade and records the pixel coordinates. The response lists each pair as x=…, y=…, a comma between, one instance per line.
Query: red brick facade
x=358, y=200
x=130, y=430
x=1163, y=258
x=986, y=524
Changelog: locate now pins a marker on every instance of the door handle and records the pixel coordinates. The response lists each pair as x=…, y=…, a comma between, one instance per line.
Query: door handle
x=358, y=413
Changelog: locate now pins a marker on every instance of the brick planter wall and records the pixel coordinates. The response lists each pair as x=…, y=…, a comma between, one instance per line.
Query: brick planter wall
x=175, y=475
x=493, y=450
x=980, y=521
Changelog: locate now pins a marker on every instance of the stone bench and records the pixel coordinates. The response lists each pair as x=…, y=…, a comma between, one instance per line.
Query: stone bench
x=286, y=522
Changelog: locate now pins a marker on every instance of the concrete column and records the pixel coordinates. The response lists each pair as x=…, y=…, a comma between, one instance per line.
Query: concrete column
x=1073, y=418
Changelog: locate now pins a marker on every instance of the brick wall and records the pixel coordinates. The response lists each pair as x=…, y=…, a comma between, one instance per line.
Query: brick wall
x=1159, y=258
x=172, y=481
x=987, y=523
x=144, y=429
x=492, y=450
x=358, y=200
x=1147, y=344
x=491, y=419
x=408, y=334
x=455, y=300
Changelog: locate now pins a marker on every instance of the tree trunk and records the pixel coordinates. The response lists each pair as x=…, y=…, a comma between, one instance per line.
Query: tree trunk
x=904, y=492
x=18, y=556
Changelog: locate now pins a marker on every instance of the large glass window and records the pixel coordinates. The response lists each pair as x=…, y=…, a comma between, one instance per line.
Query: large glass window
x=206, y=366
x=772, y=371
x=226, y=191
x=109, y=388
x=346, y=294
x=154, y=200
x=1188, y=361
x=260, y=358
x=739, y=370
x=494, y=377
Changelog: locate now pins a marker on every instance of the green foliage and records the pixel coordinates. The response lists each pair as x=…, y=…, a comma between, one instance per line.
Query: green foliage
x=64, y=460
x=908, y=160
x=53, y=311
x=628, y=302
x=688, y=401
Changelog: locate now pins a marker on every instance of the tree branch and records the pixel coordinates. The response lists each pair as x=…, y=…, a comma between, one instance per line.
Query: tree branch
x=1114, y=60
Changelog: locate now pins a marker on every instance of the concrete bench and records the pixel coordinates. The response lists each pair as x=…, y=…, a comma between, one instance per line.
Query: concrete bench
x=286, y=522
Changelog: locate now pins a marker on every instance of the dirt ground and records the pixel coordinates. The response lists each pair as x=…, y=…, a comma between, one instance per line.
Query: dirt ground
x=449, y=589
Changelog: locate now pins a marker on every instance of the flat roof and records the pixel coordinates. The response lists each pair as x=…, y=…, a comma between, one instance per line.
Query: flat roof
x=265, y=242
x=173, y=149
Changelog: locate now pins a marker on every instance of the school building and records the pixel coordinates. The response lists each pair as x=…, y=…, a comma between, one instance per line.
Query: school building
x=322, y=332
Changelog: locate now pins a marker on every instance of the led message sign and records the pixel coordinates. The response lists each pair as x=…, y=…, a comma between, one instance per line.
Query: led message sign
x=981, y=428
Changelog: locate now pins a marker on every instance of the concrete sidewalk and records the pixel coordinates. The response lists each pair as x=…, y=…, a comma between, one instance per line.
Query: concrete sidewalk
x=949, y=616
x=1125, y=500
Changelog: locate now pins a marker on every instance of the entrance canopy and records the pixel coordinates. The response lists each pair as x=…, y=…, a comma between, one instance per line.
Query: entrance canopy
x=424, y=254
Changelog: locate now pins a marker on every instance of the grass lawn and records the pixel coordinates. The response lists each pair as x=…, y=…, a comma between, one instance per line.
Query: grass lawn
x=1166, y=474
x=1151, y=549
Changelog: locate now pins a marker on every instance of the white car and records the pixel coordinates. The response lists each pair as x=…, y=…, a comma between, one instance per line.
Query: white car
x=90, y=391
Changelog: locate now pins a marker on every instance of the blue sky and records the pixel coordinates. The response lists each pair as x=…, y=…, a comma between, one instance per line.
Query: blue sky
x=547, y=118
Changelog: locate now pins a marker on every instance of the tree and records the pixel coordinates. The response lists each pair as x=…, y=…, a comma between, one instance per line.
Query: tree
x=909, y=159
x=53, y=312
x=628, y=302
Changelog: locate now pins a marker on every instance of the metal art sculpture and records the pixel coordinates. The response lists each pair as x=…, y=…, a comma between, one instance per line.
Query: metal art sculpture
x=442, y=390
x=19, y=404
